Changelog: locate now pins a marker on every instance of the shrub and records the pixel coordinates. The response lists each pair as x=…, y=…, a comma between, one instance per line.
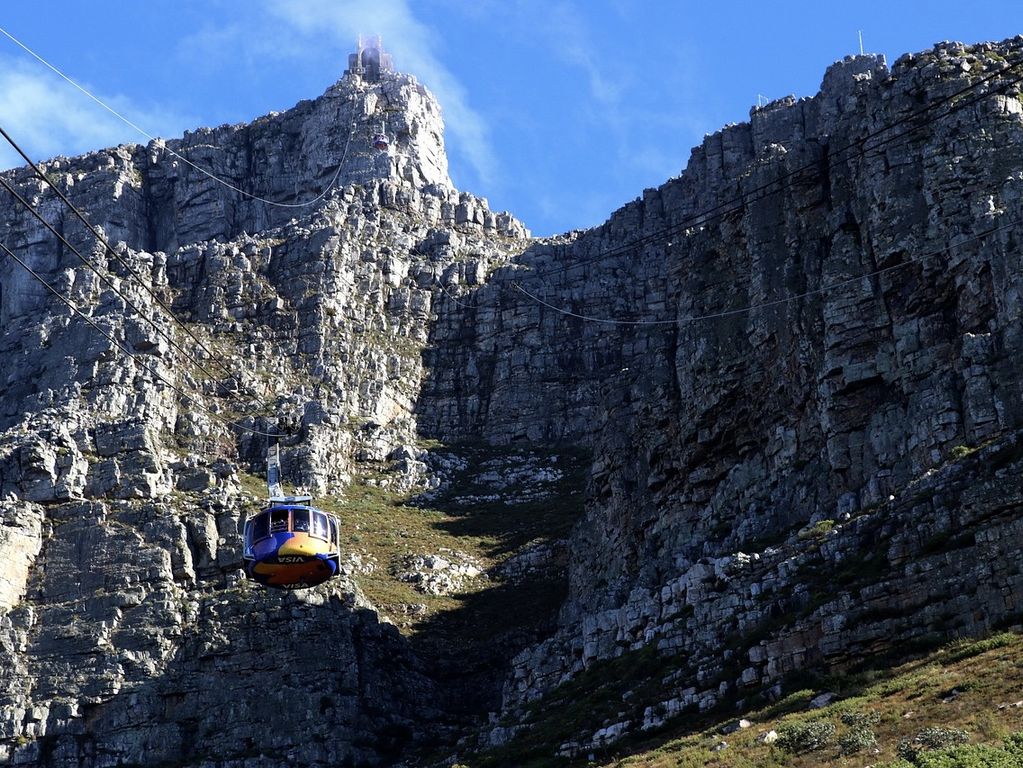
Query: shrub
x=1014, y=744
x=935, y=737
x=861, y=719
x=965, y=649
x=806, y=737
x=818, y=530
x=857, y=739
x=970, y=756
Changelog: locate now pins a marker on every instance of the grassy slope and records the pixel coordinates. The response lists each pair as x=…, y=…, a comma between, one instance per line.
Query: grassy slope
x=381, y=526
x=972, y=686
x=960, y=686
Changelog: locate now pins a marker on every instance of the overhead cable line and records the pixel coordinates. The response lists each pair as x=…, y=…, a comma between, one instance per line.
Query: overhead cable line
x=739, y=202
x=216, y=358
x=110, y=249
x=771, y=187
x=454, y=299
x=107, y=281
x=774, y=186
x=179, y=156
x=775, y=302
x=131, y=354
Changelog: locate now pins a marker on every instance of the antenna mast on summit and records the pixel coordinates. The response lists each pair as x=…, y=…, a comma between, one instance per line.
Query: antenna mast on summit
x=861, y=42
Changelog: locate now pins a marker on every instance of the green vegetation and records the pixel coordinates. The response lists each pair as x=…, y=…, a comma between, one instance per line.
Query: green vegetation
x=934, y=737
x=252, y=485
x=381, y=526
x=612, y=690
x=965, y=649
x=818, y=530
x=1007, y=755
x=857, y=739
x=808, y=736
x=966, y=687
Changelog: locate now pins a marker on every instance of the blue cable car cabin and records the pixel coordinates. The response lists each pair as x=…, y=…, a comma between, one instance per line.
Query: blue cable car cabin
x=292, y=546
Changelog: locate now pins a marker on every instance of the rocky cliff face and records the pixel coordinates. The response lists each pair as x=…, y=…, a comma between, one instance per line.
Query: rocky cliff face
x=881, y=268
x=127, y=637
x=803, y=410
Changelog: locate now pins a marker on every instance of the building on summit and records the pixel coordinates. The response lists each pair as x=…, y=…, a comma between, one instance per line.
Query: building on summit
x=369, y=60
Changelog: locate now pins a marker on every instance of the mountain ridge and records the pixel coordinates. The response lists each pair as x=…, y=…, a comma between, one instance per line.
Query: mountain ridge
x=854, y=401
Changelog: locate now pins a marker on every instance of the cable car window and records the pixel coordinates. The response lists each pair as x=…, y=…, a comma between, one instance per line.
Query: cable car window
x=334, y=538
x=260, y=526
x=301, y=520
x=278, y=520
x=319, y=525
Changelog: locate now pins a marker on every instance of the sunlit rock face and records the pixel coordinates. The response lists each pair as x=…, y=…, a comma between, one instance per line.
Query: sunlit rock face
x=802, y=409
x=127, y=633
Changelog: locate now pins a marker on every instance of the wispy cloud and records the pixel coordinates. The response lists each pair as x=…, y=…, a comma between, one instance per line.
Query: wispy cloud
x=617, y=82
x=49, y=117
x=566, y=29
x=415, y=46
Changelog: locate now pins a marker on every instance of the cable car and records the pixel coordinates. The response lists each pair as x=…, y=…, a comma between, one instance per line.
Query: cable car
x=380, y=140
x=290, y=544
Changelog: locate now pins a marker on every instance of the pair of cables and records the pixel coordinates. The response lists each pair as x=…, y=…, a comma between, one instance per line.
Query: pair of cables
x=872, y=144
x=106, y=280
x=217, y=360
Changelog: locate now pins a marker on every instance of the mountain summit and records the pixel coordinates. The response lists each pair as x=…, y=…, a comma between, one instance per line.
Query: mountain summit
x=760, y=427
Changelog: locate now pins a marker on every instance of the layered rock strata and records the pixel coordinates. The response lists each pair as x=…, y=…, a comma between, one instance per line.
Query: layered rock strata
x=127, y=634
x=795, y=359
x=842, y=324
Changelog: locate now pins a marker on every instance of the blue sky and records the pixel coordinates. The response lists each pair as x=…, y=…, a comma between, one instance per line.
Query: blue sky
x=557, y=110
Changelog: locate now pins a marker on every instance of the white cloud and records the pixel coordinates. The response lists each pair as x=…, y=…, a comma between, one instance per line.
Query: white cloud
x=49, y=117
x=566, y=29
x=623, y=104
x=414, y=47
